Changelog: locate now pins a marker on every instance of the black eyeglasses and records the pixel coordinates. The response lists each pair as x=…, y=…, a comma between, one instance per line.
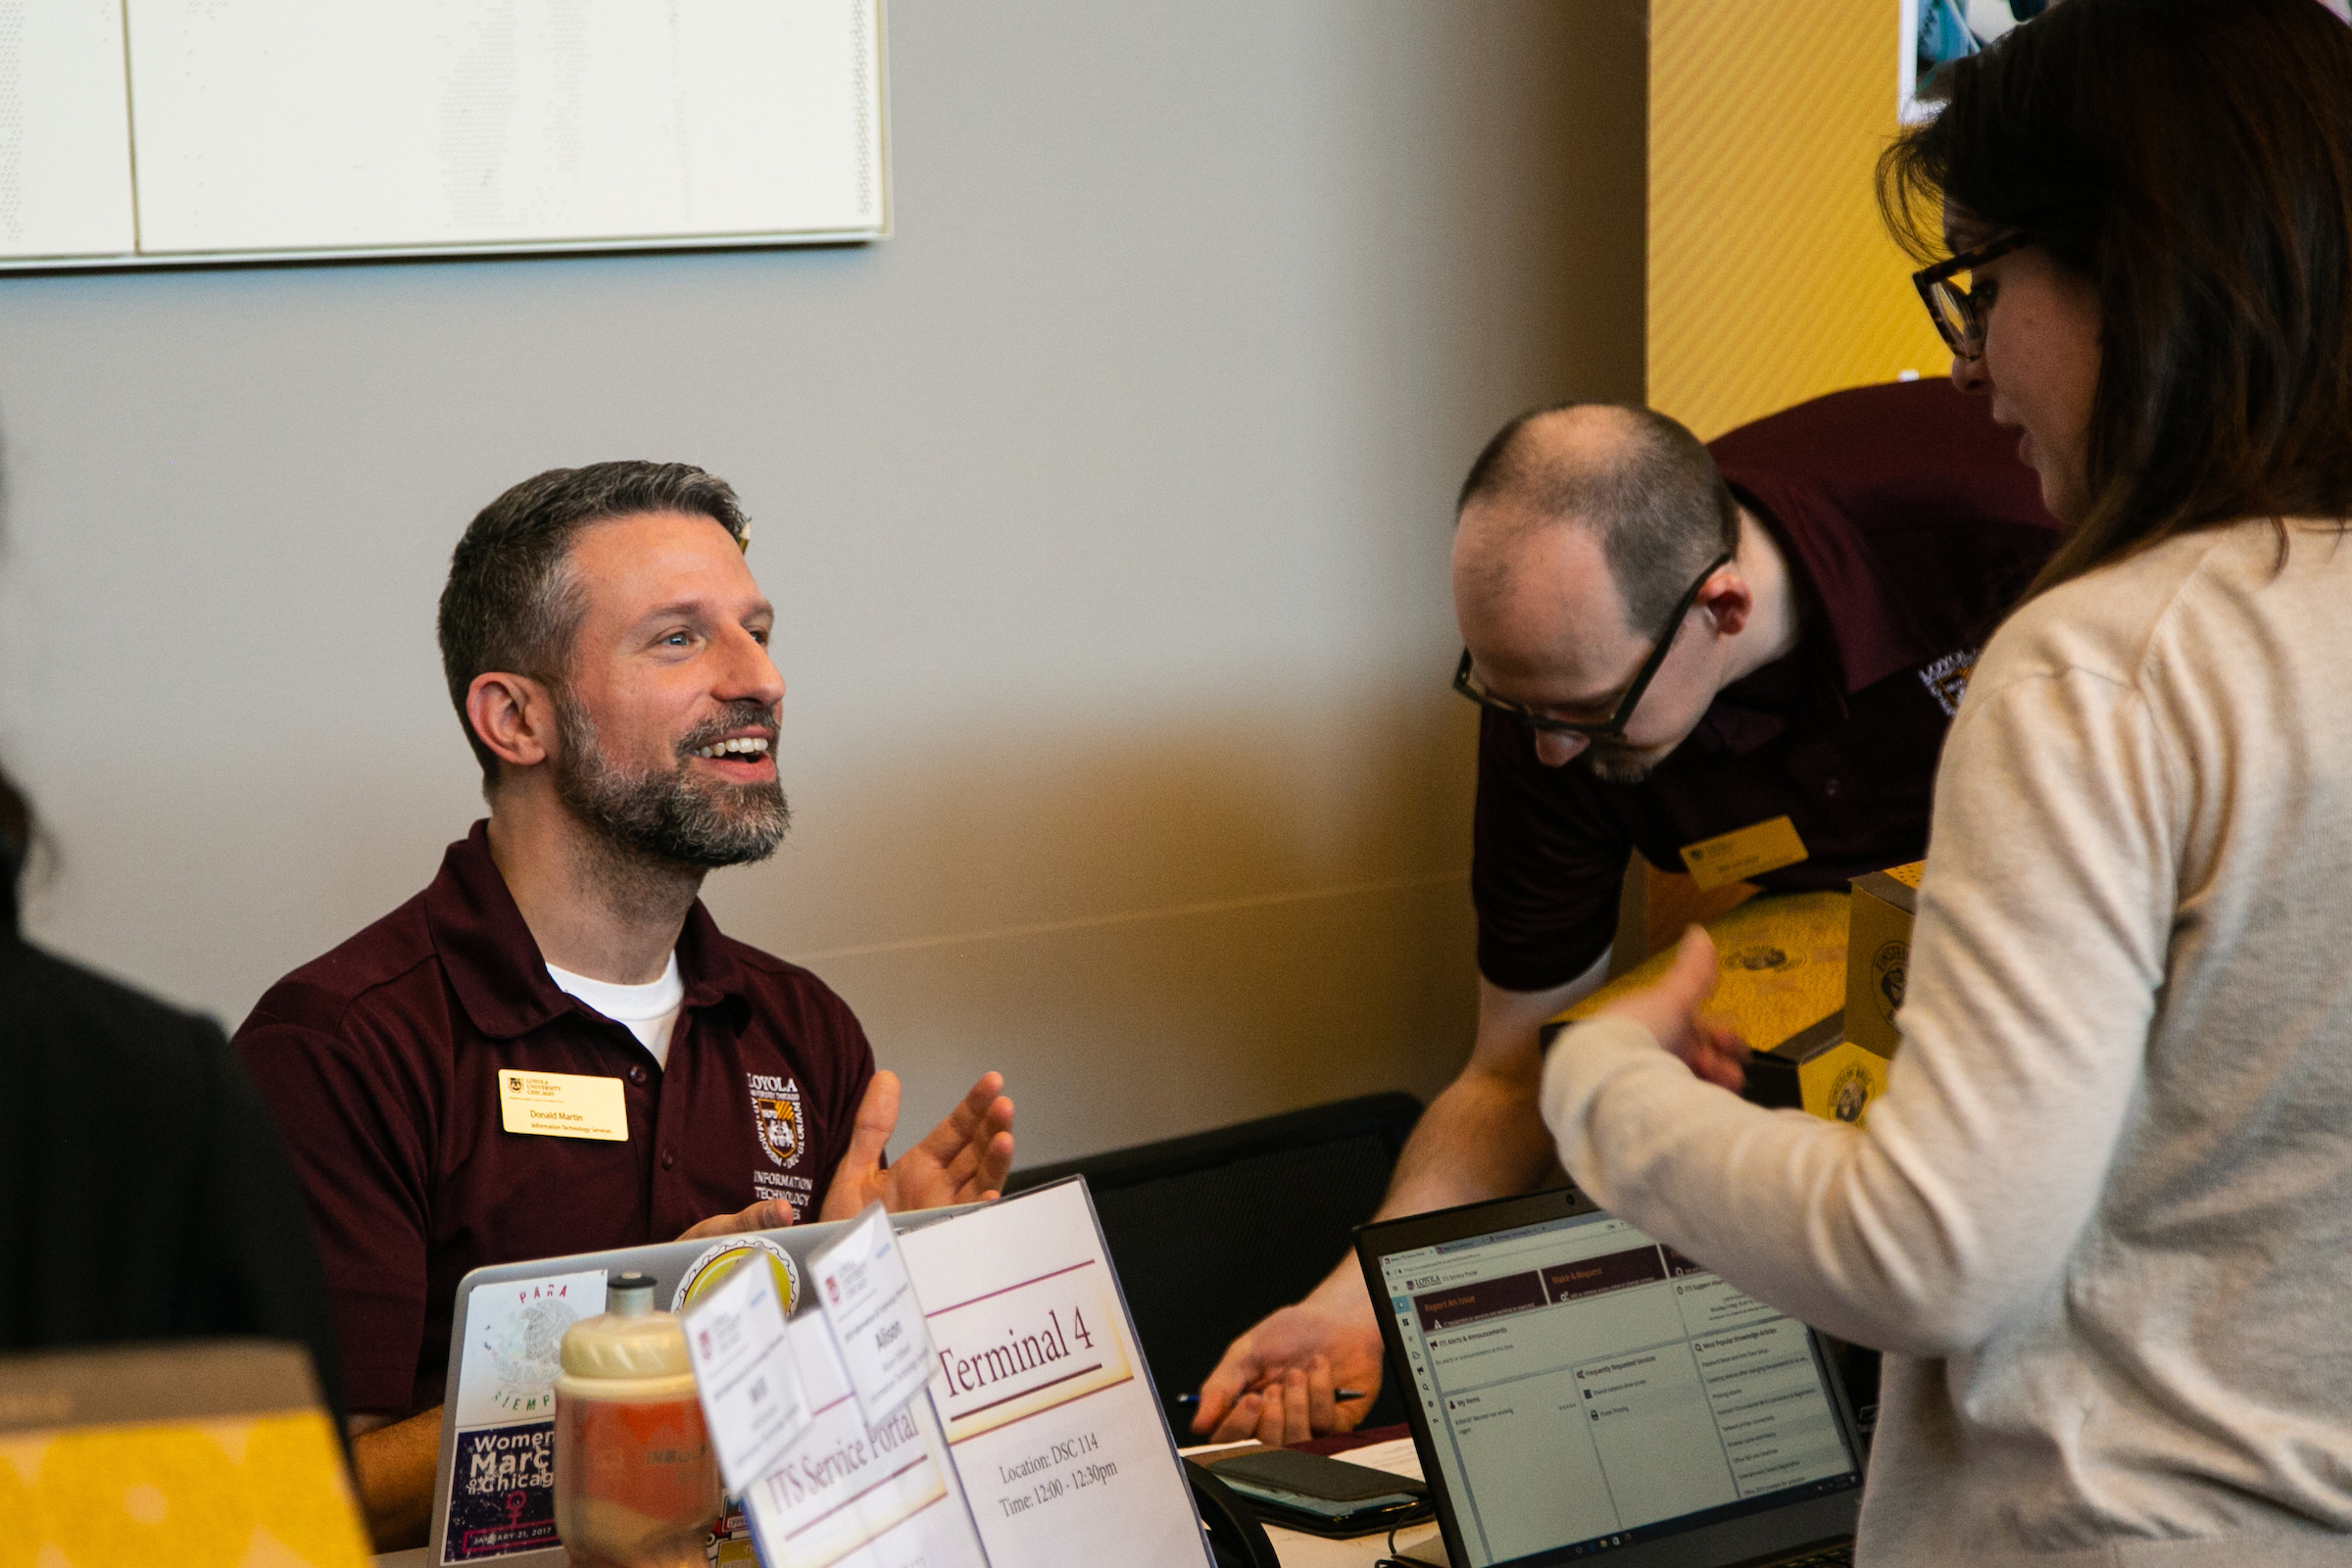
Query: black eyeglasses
x=1466, y=681
x=1954, y=309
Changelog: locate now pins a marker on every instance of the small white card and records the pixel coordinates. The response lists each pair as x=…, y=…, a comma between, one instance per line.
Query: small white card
x=855, y=1494
x=862, y=1285
x=745, y=1371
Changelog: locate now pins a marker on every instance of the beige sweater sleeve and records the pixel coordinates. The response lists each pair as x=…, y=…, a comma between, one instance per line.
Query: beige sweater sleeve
x=2036, y=959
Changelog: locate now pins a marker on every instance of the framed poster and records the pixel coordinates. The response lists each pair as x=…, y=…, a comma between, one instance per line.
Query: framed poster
x=1935, y=32
x=186, y=131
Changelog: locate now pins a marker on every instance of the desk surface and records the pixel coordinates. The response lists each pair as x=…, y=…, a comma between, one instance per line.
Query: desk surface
x=1296, y=1551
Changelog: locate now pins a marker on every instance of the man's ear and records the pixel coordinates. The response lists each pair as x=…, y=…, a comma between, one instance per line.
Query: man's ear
x=515, y=717
x=1728, y=598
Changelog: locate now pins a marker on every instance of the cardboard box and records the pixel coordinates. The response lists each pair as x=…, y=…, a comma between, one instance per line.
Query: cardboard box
x=1819, y=1070
x=1878, y=954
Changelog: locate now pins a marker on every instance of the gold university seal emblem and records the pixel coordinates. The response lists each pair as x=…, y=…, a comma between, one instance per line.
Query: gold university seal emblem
x=776, y=1111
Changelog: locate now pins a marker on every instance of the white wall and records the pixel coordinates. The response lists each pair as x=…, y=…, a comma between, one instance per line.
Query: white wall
x=1106, y=508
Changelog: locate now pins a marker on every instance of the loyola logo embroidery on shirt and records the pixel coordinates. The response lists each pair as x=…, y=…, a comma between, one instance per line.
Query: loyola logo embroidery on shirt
x=776, y=1110
x=1946, y=679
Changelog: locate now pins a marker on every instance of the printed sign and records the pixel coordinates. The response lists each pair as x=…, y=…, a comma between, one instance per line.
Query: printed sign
x=1027, y=1347
x=858, y=1493
x=862, y=1285
x=1055, y=1428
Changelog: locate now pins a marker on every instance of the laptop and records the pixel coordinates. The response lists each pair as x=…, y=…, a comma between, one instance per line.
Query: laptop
x=1578, y=1390
x=493, y=1499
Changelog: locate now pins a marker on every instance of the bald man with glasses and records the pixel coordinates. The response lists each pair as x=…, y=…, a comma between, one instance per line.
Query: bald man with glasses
x=1671, y=642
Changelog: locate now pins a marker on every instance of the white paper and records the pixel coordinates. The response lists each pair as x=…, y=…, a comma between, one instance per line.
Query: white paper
x=65, y=130
x=849, y=1495
x=300, y=124
x=1053, y=1426
x=877, y=1321
x=745, y=1371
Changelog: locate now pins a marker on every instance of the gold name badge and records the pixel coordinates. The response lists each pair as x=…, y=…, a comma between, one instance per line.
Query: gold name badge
x=1750, y=851
x=562, y=1104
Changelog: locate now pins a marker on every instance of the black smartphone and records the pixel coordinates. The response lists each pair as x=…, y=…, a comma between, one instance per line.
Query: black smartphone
x=1323, y=1496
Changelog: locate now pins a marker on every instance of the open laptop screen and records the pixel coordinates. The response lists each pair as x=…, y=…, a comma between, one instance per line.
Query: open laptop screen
x=1587, y=1389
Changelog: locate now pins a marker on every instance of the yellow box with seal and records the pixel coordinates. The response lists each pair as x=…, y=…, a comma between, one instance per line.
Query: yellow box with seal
x=1821, y=1071
x=1780, y=964
x=1878, y=954
x=1783, y=964
x=1835, y=1069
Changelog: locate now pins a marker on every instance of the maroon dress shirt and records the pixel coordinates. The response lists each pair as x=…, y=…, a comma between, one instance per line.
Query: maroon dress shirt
x=1910, y=527
x=381, y=1062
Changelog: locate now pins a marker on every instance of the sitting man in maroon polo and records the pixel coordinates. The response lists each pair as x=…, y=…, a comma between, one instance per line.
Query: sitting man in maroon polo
x=607, y=649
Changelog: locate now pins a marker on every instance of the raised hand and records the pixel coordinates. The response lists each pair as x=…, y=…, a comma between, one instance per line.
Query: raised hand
x=965, y=1159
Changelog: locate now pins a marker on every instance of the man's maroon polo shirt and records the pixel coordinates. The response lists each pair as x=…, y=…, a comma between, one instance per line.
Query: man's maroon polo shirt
x=1909, y=527
x=381, y=1062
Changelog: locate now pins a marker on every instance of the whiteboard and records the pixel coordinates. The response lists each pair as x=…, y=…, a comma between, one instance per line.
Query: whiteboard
x=145, y=132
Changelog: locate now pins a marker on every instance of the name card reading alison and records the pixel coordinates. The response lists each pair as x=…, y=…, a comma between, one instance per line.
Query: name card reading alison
x=876, y=1316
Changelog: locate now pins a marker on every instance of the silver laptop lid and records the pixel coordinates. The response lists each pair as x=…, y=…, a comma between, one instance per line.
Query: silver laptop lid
x=492, y=1504
x=1579, y=1390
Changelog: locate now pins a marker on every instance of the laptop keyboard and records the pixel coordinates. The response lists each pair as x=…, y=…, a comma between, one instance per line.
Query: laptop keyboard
x=1833, y=1557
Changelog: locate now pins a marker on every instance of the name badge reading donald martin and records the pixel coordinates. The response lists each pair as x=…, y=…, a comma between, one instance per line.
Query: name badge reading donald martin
x=562, y=1104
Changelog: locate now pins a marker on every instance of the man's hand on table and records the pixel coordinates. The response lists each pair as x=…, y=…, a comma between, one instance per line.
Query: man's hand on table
x=1275, y=1382
x=1482, y=1138
x=965, y=1159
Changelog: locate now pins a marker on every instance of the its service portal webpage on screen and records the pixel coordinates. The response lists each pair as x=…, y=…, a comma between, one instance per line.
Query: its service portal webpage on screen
x=1582, y=1381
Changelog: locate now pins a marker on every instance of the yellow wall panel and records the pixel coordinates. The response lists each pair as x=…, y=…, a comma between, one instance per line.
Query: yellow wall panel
x=1771, y=278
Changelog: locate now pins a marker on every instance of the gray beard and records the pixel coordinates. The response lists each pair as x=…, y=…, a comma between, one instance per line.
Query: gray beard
x=669, y=816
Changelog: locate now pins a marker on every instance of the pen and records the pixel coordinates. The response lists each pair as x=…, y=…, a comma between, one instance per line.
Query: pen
x=1338, y=1396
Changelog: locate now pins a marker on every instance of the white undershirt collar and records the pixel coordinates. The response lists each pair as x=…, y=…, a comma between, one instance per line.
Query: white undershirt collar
x=650, y=1011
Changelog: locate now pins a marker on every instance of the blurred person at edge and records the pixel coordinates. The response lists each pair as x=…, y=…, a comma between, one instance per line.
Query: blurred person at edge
x=111, y=1236
x=2098, y=1220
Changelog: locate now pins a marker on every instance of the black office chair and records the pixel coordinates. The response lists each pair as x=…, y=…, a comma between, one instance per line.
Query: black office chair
x=1213, y=1231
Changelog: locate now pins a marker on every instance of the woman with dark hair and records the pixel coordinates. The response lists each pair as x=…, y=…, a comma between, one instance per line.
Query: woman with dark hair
x=2101, y=1219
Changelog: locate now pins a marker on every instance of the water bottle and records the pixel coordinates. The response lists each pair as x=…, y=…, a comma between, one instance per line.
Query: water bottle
x=637, y=1482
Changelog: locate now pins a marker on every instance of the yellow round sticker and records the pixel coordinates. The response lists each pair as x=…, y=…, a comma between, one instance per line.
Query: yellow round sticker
x=724, y=1259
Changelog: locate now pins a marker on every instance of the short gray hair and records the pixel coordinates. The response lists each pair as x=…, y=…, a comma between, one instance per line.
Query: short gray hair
x=512, y=603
